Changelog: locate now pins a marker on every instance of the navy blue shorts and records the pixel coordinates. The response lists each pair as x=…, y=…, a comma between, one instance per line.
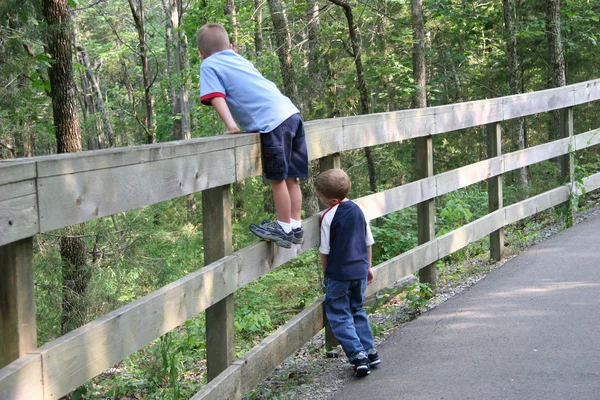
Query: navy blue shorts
x=284, y=153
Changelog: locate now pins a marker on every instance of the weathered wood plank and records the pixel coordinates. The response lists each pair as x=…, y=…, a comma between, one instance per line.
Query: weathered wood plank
x=248, y=161
x=464, y=176
x=521, y=105
x=220, y=328
x=74, y=198
x=591, y=183
x=495, y=197
x=379, y=204
x=17, y=170
x=587, y=139
x=17, y=189
x=463, y=236
x=535, y=154
x=258, y=363
x=18, y=218
x=22, y=379
x=394, y=269
x=62, y=164
x=375, y=129
x=533, y=205
x=324, y=137
x=586, y=92
x=18, y=328
x=466, y=115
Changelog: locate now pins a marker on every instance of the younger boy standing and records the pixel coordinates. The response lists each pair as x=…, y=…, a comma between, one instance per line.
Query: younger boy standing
x=241, y=95
x=346, y=243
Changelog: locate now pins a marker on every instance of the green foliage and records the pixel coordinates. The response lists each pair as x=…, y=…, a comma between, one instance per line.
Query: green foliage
x=418, y=295
x=394, y=234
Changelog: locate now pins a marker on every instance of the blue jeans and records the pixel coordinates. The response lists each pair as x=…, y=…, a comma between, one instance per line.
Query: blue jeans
x=346, y=315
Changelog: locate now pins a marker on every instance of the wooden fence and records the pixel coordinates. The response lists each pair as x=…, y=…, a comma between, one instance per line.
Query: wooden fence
x=45, y=193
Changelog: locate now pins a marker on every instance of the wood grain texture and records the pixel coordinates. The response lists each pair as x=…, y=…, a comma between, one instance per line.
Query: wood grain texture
x=536, y=154
x=74, y=198
x=467, y=115
x=70, y=163
x=22, y=379
x=17, y=170
x=250, y=369
x=18, y=218
x=324, y=137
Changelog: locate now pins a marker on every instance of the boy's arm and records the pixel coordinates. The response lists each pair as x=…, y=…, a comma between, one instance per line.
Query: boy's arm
x=323, y=261
x=370, y=257
x=221, y=108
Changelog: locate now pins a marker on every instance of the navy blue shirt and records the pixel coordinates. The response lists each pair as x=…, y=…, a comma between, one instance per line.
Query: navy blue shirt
x=345, y=236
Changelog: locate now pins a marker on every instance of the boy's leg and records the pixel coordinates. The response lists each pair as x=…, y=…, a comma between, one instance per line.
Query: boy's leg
x=295, y=197
x=282, y=198
x=359, y=315
x=337, y=309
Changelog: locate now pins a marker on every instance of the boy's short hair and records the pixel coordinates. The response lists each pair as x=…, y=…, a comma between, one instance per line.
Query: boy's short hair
x=333, y=184
x=212, y=38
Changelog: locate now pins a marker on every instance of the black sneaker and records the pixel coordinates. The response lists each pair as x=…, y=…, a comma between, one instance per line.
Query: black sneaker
x=298, y=235
x=361, y=365
x=374, y=360
x=272, y=231
x=298, y=232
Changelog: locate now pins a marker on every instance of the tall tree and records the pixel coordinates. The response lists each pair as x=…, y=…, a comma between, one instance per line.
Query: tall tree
x=517, y=126
x=284, y=50
x=556, y=59
x=177, y=63
x=97, y=96
x=68, y=139
x=258, y=21
x=361, y=83
x=137, y=10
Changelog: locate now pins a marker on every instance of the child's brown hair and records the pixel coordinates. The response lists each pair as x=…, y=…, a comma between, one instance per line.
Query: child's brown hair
x=211, y=39
x=333, y=184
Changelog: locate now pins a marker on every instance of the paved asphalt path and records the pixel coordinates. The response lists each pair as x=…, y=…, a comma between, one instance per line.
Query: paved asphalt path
x=529, y=330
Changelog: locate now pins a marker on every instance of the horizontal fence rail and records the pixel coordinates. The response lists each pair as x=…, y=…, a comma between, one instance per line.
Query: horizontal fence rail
x=47, y=193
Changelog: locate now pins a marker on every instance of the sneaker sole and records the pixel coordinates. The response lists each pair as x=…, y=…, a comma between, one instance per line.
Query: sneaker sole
x=374, y=363
x=268, y=238
x=362, y=371
x=297, y=241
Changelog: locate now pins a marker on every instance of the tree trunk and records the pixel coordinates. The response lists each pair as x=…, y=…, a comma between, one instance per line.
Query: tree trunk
x=284, y=50
x=258, y=20
x=231, y=12
x=137, y=10
x=169, y=44
x=64, y=104
x=99, y=101
x=419, y=98
x=314, y=72
x=516, y=126
x=556, y=59
x=361, y=83
x=68, y=137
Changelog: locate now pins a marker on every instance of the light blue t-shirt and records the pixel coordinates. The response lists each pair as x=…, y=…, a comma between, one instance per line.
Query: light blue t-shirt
x=254, y=101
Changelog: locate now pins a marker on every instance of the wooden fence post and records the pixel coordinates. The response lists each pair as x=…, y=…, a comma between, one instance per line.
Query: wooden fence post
x=495, y=200
x=18, y=331
x=325, y=163
x=567, y=163
x=426, y=209
x=220, y=329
